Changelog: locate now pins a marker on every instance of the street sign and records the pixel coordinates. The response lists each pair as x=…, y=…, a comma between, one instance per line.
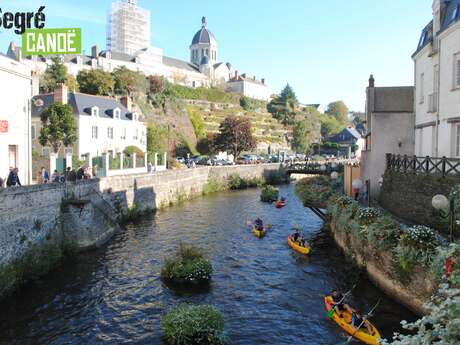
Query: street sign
x=3, y=126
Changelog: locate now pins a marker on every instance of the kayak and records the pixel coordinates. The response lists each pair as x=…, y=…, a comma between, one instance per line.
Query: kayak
x=259, y=233
x=302, y=250
x=344, y=321
x=280, y=204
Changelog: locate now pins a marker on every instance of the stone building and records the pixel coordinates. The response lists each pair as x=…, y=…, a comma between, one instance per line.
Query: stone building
x=390, y=129
x=437, y=83
x=16, y=89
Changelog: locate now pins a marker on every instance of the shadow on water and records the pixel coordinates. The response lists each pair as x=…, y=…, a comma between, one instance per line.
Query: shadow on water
x=267, y=293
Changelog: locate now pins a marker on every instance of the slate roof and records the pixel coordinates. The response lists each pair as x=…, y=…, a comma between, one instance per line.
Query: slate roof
x=168, y=61
x=203, y=36
x=349, y=134
x=246, y=79
x=82, y=104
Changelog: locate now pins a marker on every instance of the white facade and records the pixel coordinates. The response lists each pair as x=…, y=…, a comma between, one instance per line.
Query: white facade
x=248, y=87
x=128, y=27
x=15, y=94
x=437, y=84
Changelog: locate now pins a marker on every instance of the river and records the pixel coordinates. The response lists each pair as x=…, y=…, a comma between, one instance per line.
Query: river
x=267, y=293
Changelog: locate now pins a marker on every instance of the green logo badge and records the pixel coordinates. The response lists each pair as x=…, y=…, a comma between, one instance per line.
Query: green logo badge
x=51, y=41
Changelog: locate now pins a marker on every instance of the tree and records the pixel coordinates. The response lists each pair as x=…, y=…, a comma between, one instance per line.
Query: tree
x=157, y=84
x=206, y=146
x=95, y=82
x=339, y=111
x=301, y=136
x=235, y=136
x=330, y=125
x=157, y=139
x=128, y=82
x=59, y=127
x=284, y=107
x=288, y=96
x=55, y=74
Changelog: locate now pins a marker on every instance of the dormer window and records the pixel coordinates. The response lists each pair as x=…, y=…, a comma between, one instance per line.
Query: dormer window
x=135, y=117
x=95, y=111
x=116, y=113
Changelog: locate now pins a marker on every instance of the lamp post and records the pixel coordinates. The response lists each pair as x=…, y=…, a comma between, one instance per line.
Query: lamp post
x=446, y=208
x=334, y=175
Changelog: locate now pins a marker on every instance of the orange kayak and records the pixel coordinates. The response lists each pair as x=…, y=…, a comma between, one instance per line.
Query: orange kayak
x=280, y=204
x=344, y=322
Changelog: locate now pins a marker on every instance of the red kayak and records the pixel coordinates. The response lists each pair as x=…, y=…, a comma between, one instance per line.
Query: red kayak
x=280, y=204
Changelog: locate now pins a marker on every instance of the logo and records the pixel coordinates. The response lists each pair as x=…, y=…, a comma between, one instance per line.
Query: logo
x=51, y=41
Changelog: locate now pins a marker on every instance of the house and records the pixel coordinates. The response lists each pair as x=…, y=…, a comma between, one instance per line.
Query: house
x=390, y=129
x=437, y=83
x=349, y=140
x=17, y=84
x=105, y=125
x=249, y=87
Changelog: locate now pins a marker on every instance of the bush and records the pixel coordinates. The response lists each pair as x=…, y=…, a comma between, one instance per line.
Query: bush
x=133, y=214
x=384, y=233
x=188, y=266
x=314, y=191
x=203, y=93
x=235, y=182
x=368, y=215
x=213, y=186
x=269, y=194
x=188, y=324
x=275, y=178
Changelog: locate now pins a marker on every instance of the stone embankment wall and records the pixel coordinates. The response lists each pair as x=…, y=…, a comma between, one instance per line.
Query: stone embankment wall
x=408, y=196
x=380, y=269
x=40, y=224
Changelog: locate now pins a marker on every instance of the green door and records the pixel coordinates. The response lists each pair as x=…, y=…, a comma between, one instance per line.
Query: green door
x=99, y=165
x=60, y=165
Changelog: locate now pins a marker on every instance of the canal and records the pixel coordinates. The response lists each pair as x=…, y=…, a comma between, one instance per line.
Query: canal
x=267, y=293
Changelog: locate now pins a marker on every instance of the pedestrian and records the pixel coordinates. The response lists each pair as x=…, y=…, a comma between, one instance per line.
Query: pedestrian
x=55, y=176
x=149, y=167
x=45, y=176
x=95, y=170
x=80, y=173
x=13, y=178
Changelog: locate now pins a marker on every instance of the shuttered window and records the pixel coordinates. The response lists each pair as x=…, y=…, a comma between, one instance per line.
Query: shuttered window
x=457, y=74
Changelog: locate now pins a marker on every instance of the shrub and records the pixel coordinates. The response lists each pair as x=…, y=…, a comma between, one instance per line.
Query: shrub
x=255, y=182
x=384, y=233
x=133, y=214
x=188, y=266
x=368, y=215
x=188, y=324
x=275, y=178
x=235, y=182
x=213, y=186
x=314, y=191
x=269, y=194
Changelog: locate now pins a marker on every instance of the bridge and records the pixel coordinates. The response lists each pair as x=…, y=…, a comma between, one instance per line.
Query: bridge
x=317, y=167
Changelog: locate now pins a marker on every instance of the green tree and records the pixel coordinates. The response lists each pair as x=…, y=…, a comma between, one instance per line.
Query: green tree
x=302, y=136
x=330, y=125
x=157, y=139
x=128, y=82
x=59, y=127
x=96, y=82
x=55, y=74
x=339, y=111
x=288, y=96
x=235, y=136
x=284, y=107
x=197, y=121
x=206, y=146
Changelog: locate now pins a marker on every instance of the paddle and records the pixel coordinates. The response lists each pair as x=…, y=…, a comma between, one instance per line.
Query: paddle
x=362, y=322
x=331, y=312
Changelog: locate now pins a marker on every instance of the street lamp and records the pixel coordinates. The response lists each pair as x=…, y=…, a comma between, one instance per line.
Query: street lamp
x=446, y=209
x=334, y=175
x=323, y=168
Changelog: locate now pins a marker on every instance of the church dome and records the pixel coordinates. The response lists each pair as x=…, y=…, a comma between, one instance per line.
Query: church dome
x=204, y=36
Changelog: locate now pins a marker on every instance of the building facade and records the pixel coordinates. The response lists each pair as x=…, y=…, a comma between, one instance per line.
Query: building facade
x=437, y=83
x=104, y=125
x=16, y=90
x=390, y=129
x=249, y=87
x=128, y=27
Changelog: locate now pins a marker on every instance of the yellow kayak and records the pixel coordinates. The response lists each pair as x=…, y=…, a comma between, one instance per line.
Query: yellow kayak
x=344, y=321
x=302, y=250
x=259, y=233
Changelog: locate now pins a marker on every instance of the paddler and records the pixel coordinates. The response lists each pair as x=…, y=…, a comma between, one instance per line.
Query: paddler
x=259, y=224
x=295, y=236
x=339, y=305
x=357, y=320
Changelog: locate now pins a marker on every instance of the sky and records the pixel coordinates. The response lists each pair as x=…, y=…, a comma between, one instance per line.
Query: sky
x=325, y=49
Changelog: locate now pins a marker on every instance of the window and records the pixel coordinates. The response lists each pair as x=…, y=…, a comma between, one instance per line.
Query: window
x=422, y=88
x=116, y=113
x=110, y=132
x=95, y=111
x=94, y=132
x=136, y=134
x=135, y=116
x=123, y=133
x=68, y=151
x=32, y=132
x=457, y=71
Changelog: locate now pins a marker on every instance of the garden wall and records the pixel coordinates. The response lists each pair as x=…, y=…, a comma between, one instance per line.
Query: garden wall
x=408, y=196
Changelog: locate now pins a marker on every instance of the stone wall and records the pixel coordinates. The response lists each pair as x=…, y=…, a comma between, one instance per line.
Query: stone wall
x=379, y=268
x=40, y=224
x=408, y=196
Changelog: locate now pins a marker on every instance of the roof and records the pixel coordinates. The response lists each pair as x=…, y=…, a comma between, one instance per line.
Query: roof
x=245, y=79
x=346, y=135
x=204, y=35
x=450, y=14
x=81, y=104
x=172, y=62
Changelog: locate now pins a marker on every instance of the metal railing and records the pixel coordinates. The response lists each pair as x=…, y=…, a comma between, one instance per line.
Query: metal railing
x=423, y=165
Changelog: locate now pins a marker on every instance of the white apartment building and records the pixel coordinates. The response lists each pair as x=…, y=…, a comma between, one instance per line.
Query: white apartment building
x=128, y=27
x=104, y=124
x=16, y=90
x=250, y=87
x=437, y=83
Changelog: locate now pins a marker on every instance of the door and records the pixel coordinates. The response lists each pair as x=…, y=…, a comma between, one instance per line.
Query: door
x=61, y=165
x=13, y=156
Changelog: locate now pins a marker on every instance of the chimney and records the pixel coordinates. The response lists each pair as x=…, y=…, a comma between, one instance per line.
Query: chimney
x=263, y=81
x=244, y=75
x=127, y=102
x=371, y=81
x=94, y=51
x=237, y=75
x=60, y=94
x=254, y=78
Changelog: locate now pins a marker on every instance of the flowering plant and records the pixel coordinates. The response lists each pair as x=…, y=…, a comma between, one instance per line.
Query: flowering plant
x=368, y=215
